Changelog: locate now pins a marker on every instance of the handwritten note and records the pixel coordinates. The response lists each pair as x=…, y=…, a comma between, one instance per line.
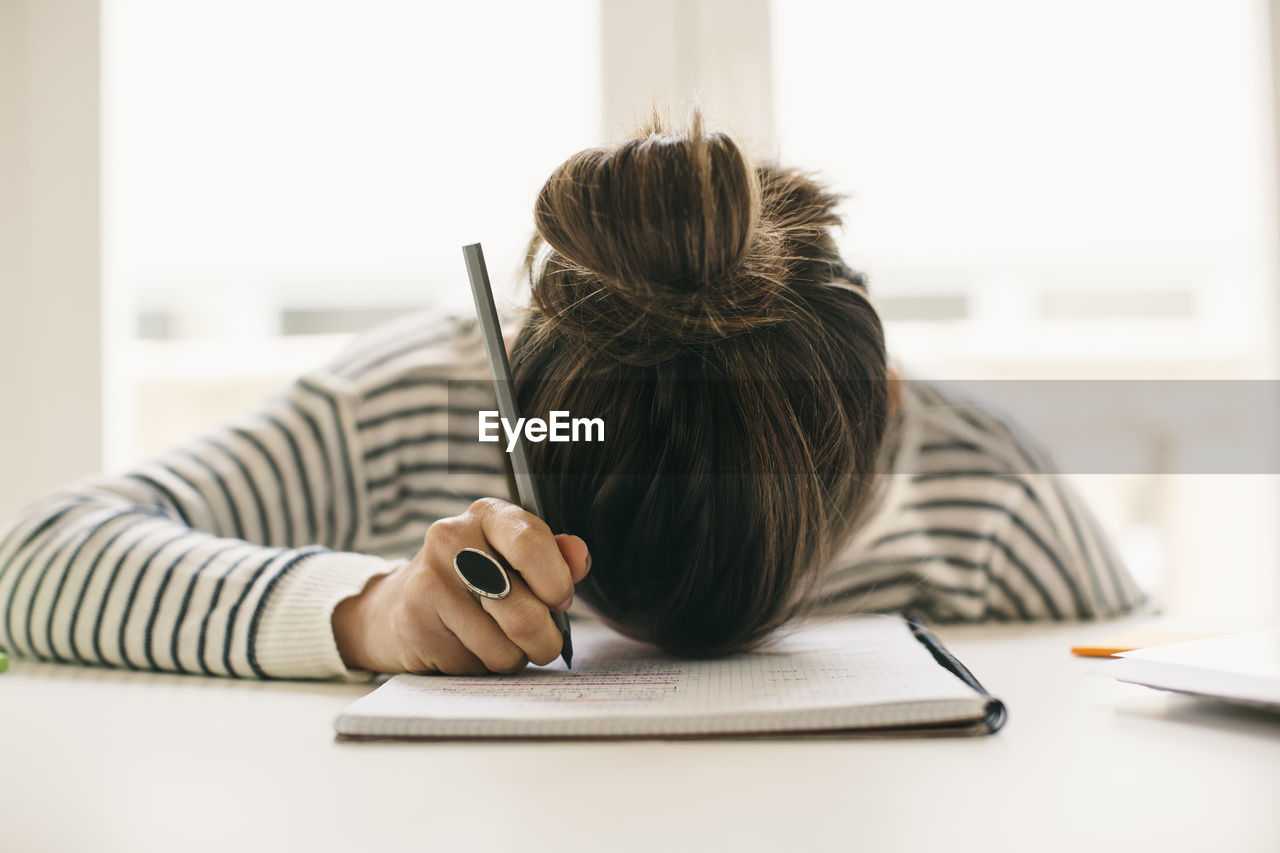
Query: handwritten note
x=865, y=668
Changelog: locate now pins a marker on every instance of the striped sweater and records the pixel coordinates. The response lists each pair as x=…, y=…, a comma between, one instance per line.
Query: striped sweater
x=228, y=554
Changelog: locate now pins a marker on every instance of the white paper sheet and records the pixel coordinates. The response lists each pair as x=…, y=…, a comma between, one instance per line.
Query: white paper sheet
x=1240, y=667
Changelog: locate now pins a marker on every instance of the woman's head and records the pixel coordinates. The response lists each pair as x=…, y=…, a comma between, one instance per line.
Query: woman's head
x=697, y=304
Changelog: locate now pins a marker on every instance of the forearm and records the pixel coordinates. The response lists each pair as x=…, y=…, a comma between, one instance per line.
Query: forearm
x=92, y=579
x=226, y=555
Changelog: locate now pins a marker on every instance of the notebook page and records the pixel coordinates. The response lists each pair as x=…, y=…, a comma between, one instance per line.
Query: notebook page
x=855, y=662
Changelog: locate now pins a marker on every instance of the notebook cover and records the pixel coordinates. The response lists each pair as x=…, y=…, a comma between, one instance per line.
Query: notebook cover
x=996, y=713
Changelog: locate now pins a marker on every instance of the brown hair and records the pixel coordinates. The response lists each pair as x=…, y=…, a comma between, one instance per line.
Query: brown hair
x=698, y=305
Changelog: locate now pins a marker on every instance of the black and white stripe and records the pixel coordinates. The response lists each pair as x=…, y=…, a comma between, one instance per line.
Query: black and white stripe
x=975, y=526
x=226, y=556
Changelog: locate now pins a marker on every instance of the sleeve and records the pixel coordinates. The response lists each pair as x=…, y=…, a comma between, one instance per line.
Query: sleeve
x=223, y=556
x=1049, y=559
x=1010, y=538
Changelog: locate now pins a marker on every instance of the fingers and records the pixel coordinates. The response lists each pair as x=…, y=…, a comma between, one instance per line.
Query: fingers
x=426, y=643
x=450, y=659
x=528, y=545
x=575, y=553
x=527, y=622
x=502, y=635
x=481, y=635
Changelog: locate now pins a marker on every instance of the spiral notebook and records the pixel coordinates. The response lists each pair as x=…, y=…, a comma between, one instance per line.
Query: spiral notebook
x=865, y=674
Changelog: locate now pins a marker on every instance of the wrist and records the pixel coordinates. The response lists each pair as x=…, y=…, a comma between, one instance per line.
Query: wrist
x=350, y=622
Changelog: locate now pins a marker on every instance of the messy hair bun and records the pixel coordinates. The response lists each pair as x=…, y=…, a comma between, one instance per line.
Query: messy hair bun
x=657, y=244
x=697, y=305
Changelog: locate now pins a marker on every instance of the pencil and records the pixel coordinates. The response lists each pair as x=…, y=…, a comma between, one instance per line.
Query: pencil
x=526, y=488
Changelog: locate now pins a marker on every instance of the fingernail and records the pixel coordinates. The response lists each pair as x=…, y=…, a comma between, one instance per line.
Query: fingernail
x=564, y=605
x=588, y=561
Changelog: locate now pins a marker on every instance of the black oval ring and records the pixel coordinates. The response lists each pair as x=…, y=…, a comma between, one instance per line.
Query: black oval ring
x=481, y=573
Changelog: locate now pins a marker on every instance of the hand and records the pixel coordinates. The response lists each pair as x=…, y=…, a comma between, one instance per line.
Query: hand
x=421, y=618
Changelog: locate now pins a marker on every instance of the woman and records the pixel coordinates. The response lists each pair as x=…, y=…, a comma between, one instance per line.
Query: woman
x=760, y=461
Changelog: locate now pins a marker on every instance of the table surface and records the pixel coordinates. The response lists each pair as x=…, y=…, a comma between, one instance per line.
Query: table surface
x=103, y=760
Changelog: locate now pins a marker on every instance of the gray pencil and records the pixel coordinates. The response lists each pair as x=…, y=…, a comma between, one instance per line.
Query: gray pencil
x=526, y=487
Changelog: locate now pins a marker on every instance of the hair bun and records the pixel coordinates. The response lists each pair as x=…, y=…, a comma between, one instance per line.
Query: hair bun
x=652, y=244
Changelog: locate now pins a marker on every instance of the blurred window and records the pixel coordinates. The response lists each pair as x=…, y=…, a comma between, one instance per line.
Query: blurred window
x=282, y=173
x=1068, y=184
x=1063, y=190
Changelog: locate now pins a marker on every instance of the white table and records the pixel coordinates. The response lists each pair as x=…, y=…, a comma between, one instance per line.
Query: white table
x=103, y=760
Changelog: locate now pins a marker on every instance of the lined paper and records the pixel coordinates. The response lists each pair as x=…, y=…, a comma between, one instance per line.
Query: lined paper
x=856, y=671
